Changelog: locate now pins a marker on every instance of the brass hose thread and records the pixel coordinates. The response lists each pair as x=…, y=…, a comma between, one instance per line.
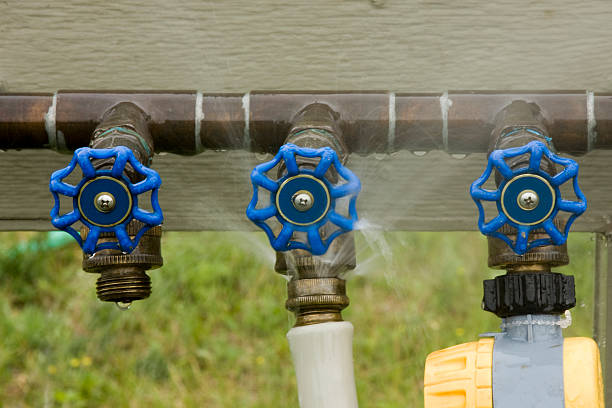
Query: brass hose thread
x=316, y=300
x=123, y=285
x=123, y=277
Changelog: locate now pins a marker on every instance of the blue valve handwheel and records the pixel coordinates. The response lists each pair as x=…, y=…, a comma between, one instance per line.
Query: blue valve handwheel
x=528, y=198
x=303, y=199
x=105, y=200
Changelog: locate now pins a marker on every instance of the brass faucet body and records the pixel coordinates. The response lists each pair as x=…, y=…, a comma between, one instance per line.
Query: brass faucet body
x=123, y=277
x=316, y=291
x=538, y=259
x=515, y=126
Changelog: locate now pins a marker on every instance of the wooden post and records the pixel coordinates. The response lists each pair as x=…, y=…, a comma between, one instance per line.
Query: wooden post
x=602, y=319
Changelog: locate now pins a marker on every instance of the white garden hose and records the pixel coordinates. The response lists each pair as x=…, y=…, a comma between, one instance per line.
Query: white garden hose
x=323, y=359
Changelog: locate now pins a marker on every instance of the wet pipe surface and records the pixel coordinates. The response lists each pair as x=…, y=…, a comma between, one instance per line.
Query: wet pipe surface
x=186, y=122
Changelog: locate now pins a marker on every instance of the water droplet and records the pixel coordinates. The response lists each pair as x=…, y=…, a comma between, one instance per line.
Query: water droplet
x=124, y=305
x=262, y=157
x=419, y=153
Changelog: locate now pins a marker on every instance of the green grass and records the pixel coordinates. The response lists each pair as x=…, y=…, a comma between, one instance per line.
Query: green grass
x=213, y=332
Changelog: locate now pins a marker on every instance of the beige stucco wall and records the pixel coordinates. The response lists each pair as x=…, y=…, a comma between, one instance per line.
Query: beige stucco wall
x=224, y=45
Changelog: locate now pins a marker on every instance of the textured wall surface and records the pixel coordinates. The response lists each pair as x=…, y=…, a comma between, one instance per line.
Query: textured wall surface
x=211, y=191
x=229, y=45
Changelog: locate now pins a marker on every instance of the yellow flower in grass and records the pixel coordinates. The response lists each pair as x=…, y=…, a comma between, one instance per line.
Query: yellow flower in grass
x=74, y=362
x=86, y=361
x=459, y=331
x=51, y=369
x=260, y=360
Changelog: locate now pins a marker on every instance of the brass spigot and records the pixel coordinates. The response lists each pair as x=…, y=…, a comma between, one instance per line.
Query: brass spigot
x=518, y=124
x=123, y=278
x=535, y=241
x=316, y=291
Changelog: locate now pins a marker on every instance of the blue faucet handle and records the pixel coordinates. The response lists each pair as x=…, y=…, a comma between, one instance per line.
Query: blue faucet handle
x=303, y=199
x=528, y=198
x=105, y=200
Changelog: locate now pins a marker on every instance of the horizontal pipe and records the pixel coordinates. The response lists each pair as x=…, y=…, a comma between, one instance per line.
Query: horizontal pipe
x=187, y=122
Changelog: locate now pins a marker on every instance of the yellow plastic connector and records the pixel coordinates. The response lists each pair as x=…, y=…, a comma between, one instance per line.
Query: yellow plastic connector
x=582, y=377
x=461, y=376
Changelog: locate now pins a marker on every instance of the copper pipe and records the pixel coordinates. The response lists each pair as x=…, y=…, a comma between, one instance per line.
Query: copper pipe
x=457, y=122
x=22, y=120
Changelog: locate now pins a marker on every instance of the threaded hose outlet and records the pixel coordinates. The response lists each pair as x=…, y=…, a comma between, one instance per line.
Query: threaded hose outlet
x=123, y=286
x=123, y=278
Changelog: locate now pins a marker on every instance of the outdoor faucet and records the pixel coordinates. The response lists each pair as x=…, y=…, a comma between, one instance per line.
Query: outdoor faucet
x=305, y=201
x=120, y=239
x=313, y=198
x=529, y=364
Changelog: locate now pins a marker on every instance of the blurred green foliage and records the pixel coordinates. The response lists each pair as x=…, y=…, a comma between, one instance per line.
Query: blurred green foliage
x=213, y=332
